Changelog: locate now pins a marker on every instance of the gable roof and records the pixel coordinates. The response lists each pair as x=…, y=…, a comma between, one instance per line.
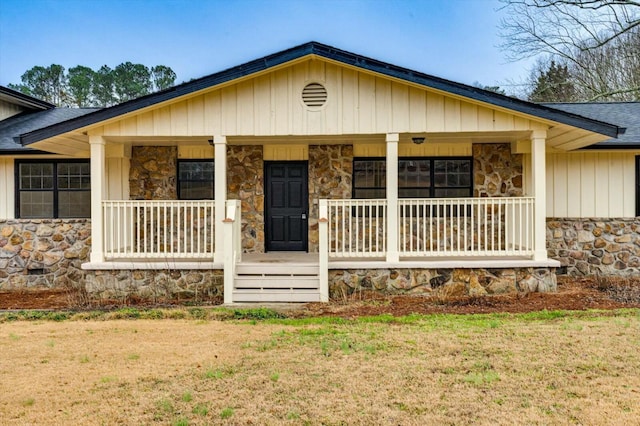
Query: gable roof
x=336, y=55
x=12, y=127
x=19, y=98
x=623, y=114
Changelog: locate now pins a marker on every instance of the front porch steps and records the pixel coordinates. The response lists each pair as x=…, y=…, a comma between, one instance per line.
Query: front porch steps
x=276, y=282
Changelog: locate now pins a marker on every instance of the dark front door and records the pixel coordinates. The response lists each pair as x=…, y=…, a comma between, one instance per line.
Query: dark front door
x=286, y=206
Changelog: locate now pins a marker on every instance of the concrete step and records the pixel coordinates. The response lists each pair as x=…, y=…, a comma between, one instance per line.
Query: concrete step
x=277, y=269
x=273, y=295
x=277, y=282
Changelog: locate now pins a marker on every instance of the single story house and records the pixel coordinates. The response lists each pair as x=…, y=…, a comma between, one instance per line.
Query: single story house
x=316, y=172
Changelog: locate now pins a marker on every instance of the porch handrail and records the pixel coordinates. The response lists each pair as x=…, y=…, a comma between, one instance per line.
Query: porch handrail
x=176, y=229
x=357, y=228
x=496, y=226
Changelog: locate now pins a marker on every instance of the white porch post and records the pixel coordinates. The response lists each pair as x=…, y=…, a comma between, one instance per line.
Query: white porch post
x=220, y=171
x=98, y=181
x=392, y=197
x=539, y=187
x=323, y=239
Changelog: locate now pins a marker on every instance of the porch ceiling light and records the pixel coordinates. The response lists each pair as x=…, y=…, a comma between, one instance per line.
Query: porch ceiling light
x=418, y=140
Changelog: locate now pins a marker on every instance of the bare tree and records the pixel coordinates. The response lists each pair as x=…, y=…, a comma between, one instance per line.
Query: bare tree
x=597, y=40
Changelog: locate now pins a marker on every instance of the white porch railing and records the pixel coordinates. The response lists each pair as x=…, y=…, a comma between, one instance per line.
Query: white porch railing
x=357, y=228
x=136, y=229
x=466, y=226
x=432, y=227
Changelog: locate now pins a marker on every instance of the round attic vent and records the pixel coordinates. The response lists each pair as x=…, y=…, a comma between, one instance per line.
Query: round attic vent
x=314, y=95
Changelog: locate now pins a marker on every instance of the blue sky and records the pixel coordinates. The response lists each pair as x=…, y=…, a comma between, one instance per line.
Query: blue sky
x=453, y=39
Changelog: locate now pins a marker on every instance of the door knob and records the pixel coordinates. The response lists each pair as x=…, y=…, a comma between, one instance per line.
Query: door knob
x=304, y=216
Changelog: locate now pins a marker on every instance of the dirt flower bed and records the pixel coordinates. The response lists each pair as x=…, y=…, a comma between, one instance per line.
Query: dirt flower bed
x=573, y=294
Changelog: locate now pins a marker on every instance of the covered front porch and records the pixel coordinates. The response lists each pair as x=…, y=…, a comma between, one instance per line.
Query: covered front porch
x=345, y=233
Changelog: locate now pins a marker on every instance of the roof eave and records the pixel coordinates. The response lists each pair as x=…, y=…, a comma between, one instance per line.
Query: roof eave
x=331, y=53
x=26, y=99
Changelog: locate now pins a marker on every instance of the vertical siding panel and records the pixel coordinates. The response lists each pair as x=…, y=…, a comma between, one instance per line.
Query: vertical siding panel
x=602, y=185
x=382, y=105
x=399, y=107
x=551, y=182
x=435, y=112
x=162, y=121
x=245, y=108
x=179, y=120
x=262, y=103
x=616, y=179
x=520, y=123
x=298, y=113
x=366, y=99
x=561, y=186
x=229, y=111
x=573, y=186
x=145, y=123
x=129, y=126
x=113, y=171
x=451, y=115
x=629, y=194
x=417, y=110
x=280, y=91
x=588, y=184
x=349, y=96
x=7, y=188
x=195, y=107
x=485, y=119
x=113, y=129
x=468, y=117
x=502, y=121
x=212, y=113
x=333, y=109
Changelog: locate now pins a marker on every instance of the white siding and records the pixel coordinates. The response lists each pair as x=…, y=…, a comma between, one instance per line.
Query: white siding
x=7, y=188
x=357, y=103
x=117, y=171
x=7, y=109
x=591, y=184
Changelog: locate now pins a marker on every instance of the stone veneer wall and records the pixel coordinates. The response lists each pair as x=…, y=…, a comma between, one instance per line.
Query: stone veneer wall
x=496, y=171
x=152, y=175
x=446, y=282
x=156, y=285
x=330, y=174
x=43, y=252
x=245, y=182
x=595, y=246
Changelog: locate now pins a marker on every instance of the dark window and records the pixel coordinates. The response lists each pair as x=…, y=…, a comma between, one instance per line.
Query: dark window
x=195, y=180
x=417, y=177
x=53, y=189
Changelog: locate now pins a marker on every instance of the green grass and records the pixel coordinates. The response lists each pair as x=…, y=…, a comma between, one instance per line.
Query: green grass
x=200, y=409
x=226, y=413
x=472, y=322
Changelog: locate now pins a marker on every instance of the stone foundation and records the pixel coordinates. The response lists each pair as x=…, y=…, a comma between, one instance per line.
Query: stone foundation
x=445, y=282
x=595, y=246
x=155, y=286
x=43, y=253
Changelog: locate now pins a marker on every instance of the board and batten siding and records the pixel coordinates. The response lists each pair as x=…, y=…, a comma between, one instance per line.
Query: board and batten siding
x=357, y=103
x=7, y=188
x=591, y=184
x=8, y=109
